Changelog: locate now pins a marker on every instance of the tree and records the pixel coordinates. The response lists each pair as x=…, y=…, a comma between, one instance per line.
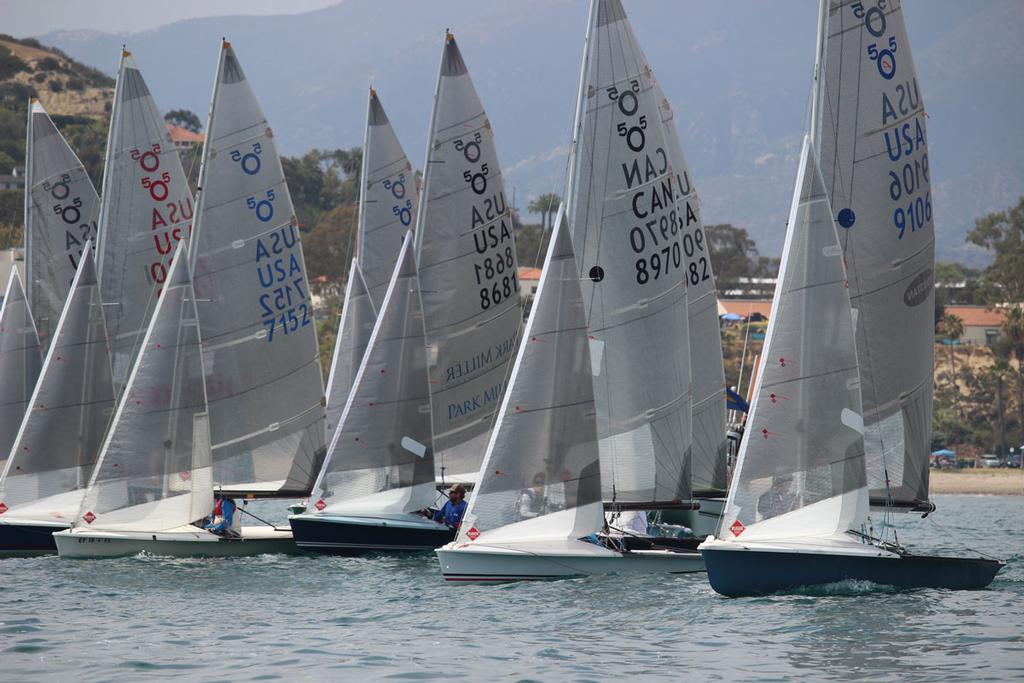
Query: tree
x=1013, y=331
x=183, y=118
x=1003, y=233
x=953, y=328
x=546, y=205
x=733, y=254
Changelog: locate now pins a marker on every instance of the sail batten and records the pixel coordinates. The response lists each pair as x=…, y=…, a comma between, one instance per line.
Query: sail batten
x=263, y=376
x=874, y=159
x=630, y=217
x=468, y=266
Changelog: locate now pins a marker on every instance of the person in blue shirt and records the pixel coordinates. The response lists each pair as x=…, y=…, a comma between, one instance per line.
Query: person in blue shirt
x=452, y=511
x=222, y=516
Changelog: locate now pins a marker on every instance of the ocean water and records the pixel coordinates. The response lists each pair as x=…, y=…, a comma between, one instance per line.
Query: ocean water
x=325, y=618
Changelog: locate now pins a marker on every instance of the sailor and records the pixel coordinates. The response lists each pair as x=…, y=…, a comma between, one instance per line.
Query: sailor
x=533, y=501
x=452, y=511
x=776, y=500
x=223, y=516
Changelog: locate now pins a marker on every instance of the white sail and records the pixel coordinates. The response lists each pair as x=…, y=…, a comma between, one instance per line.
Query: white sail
x=21, y=359
x=154, y=472
x=60, y=437
x=145, y=209
x=61, y=208
x=801, y=469
x=387, y=201
x=874, y=158
x=358, y=317
x=541, y=474
x=381, y=458
x=468, y=270
x=706, y=365
x=629, y=219
x=260, y=351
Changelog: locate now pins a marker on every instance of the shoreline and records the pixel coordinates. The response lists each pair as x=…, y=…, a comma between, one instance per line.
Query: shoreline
x=1001, y=482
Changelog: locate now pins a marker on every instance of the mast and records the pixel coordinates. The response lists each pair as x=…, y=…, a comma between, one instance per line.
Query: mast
x=197, y=216
x=817, y=91
x=28, y=203
x=578, y=116
x=421, y=214
x=361, y=227
x=108, y=171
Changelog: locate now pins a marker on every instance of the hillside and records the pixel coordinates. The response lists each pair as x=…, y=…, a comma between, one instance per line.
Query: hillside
x=737, y=75
x=63, y=85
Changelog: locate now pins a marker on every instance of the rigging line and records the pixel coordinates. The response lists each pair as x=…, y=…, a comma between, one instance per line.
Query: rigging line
x=260, y=519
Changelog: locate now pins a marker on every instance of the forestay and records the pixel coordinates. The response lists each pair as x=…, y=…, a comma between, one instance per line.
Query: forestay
x=62, y=432
x=706, y=366
x=358, y=317
x=541, y=475
x=801, y=466
x=630, y=218
x=260, y=351
x=387, y=201
x=21, y=358
x=154, y=469
x=145, y=209
x=381, y=459
x=61, y=208
x=874, y=158
x=468, y=270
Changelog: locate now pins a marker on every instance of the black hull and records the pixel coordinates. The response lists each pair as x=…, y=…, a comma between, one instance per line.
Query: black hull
x=336, y=537
x=743, y=573
x=23, y=540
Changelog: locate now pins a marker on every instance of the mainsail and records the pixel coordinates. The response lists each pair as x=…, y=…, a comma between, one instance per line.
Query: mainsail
x=153, y=472
x=541, y=475
x=468, y=270
x=20, y=361
x=874, y=158
x=381, y=458
x=631, y=222
x=61, y=208
x=706, y=366
x=60, y=437
x=358, y=316
x=801, y=469
x=260, y=353
x=387, y=200
x=145, y=209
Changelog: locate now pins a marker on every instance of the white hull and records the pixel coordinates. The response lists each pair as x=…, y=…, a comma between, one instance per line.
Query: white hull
x=183, y=542
x=472, y=563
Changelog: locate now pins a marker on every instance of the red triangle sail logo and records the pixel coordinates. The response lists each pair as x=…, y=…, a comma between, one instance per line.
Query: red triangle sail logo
x=89, y=517
x=737, y=528
x=473, y=533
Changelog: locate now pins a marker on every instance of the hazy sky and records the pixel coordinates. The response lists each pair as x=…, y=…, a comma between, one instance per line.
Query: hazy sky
x=22, y=18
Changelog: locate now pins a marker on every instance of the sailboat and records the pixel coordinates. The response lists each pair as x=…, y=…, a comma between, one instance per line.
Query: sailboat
x=260, y=355
x=539, y=490
x=153, y=480
x=21, y=360
x=798, y=511
x=61, y=208
x=379, y=472
x=635, y=231
x=43, y=481
x=145, y=208
x=468, y=270
x=387, y=209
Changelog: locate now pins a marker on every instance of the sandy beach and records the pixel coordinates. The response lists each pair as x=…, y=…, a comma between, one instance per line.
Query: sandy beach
x=992, y=481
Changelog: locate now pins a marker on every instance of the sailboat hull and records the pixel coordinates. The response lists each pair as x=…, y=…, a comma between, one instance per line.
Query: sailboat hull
x=26, y=538
x=353, y=535
x=185, y=542
x=743, y=573
x=534, y=562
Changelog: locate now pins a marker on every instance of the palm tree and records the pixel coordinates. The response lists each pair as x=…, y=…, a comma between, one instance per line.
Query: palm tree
x=953, y=328
x=546, y=205
x=1013, y=330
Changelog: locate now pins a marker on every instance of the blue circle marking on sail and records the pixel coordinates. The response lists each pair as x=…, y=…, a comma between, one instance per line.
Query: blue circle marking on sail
x=847, y=218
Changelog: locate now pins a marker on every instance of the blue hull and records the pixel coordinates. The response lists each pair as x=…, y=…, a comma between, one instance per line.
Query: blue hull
x=339, y=538
x=742, y=573
x=22, y=540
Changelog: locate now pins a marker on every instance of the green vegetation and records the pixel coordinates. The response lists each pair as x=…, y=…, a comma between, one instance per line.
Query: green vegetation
x=547, y=206
x=9, y=64
x=183, y=118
